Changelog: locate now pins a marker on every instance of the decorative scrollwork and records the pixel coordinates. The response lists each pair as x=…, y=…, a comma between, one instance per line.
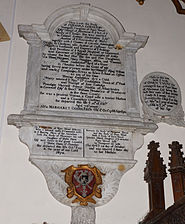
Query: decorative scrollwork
x=178, y=6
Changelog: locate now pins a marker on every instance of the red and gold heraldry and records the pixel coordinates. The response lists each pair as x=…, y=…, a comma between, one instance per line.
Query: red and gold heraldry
x=83, y=182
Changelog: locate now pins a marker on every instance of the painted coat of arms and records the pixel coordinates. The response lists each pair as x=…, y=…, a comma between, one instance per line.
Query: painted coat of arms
x=83, y=182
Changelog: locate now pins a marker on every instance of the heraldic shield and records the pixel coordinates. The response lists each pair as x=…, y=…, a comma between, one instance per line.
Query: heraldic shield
x=83, y=183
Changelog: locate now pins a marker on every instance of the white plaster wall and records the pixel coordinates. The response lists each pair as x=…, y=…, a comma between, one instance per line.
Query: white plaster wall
x=24, y=197
x=6, y=18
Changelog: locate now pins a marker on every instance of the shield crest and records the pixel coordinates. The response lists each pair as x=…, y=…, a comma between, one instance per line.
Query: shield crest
x=83, y=182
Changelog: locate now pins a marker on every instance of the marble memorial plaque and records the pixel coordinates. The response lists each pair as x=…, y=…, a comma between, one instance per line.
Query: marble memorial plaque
x=81, y=71
x=107, y=143
x=81, y=142
x=64, y=141
x=161, y=98
x=81, y=101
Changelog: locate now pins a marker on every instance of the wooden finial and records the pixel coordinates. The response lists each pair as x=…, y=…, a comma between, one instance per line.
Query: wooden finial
x=154, y=165
x=154, y=174
x=153, y=145
x=177, y=170
x=175, y=145
x=176, y=158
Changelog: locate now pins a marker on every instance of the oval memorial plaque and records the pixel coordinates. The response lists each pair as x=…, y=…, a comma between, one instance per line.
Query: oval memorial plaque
x=161, y=98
